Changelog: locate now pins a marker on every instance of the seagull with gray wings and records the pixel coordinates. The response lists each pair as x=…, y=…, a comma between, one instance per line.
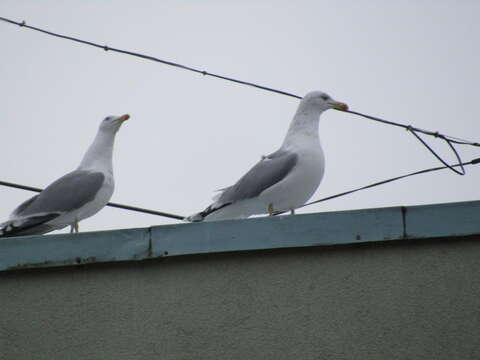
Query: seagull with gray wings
x=76, y=195
x=285, y=179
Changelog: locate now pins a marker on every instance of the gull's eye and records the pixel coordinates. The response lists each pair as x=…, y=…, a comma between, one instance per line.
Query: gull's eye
x=325, y=97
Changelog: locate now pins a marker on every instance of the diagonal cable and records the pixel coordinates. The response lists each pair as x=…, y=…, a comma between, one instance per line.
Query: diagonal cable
x=451, y=167
x=449, y=139
x=148, y=57
x=115, y=205
x=472, y=162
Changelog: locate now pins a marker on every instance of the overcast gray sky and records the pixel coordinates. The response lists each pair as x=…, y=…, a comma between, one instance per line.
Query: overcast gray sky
x=410, y=61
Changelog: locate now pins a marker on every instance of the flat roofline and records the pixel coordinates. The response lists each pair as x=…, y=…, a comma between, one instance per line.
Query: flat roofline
x=308, y=230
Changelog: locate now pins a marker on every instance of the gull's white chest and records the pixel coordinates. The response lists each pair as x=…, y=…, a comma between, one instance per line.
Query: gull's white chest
x=101, y=199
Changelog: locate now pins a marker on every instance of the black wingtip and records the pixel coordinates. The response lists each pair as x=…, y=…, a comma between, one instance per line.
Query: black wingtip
x=34, y=225
x=8, y=230
x=199, y=217
x=195, y=218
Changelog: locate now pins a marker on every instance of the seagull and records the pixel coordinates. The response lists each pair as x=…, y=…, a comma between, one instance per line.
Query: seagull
x=285, y=179
x=76, y=195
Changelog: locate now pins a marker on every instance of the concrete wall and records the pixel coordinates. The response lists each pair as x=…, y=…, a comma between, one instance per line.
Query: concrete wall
x=397, y=300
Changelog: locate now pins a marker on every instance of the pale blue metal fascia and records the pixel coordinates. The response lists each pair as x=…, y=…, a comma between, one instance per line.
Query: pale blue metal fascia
x=331, y=228
x=450, y=219
x=279, y=232
x=70, y=249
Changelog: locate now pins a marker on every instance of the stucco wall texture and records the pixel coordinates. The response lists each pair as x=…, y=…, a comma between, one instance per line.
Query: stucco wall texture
x=399, y=300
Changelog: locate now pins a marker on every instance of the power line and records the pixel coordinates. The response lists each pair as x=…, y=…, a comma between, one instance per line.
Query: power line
x=331, y=197
x=435, y=134
x=115, y=205
x=148, y=57
x=450, y=140
x=472, y=162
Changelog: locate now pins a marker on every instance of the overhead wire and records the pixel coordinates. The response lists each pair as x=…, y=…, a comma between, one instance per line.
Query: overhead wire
x=450, y=140
x=424, y=171
x=148, y=57
x=331, y=197
x=111, y=204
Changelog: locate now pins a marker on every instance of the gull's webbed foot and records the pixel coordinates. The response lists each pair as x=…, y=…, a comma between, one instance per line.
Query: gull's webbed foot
x=271, y=212
x=74, y=227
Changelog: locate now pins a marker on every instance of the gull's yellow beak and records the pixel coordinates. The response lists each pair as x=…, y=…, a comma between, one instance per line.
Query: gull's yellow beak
x=339, y=106
x=124, y=118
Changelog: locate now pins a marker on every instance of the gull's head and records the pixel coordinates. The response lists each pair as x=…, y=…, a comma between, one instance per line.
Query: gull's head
x=112, y=123
x=322, y=101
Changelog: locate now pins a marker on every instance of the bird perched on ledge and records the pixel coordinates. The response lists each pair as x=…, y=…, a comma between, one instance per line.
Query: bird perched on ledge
x=285, y=179
x=76, y=195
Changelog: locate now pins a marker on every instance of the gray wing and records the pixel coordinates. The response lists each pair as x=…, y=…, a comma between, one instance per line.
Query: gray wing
x=68, y=193
x=22, y=207
x=266, y=173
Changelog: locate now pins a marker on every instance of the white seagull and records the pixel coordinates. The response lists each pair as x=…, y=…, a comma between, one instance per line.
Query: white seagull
x=76, y=195
x=285, y=179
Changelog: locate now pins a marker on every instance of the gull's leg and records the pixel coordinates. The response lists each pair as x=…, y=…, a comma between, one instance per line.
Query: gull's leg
x=292, y=211
x=71, y=228
x=76, y=226
x=270, y=210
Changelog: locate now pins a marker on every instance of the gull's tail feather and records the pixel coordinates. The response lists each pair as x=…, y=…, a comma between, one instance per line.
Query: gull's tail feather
x=200, y=216
x=33, y=225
